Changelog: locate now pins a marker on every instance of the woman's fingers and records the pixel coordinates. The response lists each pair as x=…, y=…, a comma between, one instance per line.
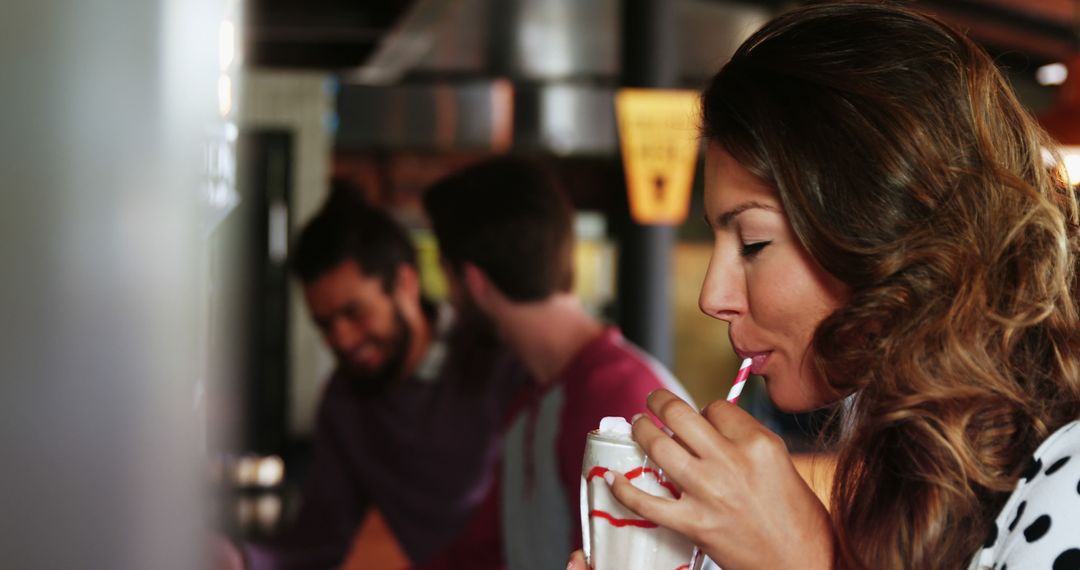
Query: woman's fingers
x=577, y=561
x=692, y=429
x=663, y=450
x=658, y=510
x=730, y=420
x=738, y=487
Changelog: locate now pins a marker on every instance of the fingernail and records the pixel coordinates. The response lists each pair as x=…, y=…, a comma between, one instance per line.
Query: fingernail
x=636, y=418
x=668, y=431
x=609, y=478
x=570, y=565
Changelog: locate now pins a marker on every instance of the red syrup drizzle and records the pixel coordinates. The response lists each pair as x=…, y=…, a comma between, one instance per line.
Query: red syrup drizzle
x=619, y=523
x=599, y=471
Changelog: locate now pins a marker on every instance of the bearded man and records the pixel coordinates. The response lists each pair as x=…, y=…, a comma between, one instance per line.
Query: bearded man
x=409, y=421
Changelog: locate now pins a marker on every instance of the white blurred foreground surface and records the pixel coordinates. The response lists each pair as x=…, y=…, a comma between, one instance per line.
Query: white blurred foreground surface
x=102, y=107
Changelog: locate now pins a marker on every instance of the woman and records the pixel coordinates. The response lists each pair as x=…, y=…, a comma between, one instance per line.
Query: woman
x=888, y=235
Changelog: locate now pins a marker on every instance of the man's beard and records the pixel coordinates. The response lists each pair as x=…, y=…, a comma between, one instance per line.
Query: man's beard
x=374, y=383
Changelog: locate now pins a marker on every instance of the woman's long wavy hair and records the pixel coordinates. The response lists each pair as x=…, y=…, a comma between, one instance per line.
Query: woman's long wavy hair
x=909, y=171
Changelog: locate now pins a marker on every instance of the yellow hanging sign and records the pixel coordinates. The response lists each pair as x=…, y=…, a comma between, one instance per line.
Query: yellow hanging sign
x=658, y=136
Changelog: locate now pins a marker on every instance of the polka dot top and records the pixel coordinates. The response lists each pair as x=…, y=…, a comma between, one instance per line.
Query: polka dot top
x=1039, y=527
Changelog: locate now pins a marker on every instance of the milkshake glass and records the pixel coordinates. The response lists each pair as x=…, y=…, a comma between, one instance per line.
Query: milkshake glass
x=614, y=537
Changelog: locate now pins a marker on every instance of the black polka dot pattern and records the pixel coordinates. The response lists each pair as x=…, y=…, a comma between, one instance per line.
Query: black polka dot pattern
x=1037, y=529
x=1039, y=525
x=1068, y=560
x=1057, y=466
x=1019, y=513
x=1032, y=470
x=991, y=537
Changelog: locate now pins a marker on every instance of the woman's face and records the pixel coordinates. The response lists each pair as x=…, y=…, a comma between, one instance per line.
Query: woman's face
x=764, y=283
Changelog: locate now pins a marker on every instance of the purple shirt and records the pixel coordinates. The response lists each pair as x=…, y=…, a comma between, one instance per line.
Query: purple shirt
x=422, y=453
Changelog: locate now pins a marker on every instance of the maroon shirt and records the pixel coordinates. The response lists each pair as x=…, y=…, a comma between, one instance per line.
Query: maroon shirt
x=532, y=515
x=423, y=453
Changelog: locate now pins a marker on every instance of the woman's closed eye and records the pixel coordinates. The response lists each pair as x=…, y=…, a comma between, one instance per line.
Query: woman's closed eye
x=752, y=249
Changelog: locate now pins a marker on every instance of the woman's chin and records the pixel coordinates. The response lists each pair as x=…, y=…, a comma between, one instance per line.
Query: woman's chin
x=793, y=403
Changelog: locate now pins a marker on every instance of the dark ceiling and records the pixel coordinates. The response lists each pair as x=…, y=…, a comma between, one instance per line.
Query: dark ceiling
x=322, y=34
x=340, y=34
x=1041, y=30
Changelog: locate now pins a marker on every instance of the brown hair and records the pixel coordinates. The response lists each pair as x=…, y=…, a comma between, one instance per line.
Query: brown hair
x=346, y=228
x=909, y=171
x=510, y=217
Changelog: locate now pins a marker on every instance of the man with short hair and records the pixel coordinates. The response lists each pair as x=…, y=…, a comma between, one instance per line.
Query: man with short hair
x=409, y=421
x=506, y=240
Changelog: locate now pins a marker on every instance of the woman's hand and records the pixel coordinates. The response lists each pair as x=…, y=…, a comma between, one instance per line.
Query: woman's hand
x=742, y=500
x=577, y=561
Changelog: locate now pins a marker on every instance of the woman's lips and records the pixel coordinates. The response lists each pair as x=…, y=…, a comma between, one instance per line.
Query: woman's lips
x=758, y=360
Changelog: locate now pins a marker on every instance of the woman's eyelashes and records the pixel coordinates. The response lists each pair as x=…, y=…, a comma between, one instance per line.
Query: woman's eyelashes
x=752, y=249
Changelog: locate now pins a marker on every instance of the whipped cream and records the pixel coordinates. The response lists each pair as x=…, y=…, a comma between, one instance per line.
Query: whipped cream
x=615, y=427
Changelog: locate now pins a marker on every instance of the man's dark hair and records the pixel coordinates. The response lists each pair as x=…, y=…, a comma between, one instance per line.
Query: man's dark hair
x=509, y=217
x=346, y=228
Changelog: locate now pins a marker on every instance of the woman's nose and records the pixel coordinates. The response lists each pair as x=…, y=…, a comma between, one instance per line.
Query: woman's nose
x=723, y=293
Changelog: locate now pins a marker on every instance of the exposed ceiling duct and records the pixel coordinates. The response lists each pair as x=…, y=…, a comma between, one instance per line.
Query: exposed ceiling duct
x=544, y=40
x=432, y=35
x=446, y=61
x=341, y=35
x=468, y=74
x=463, y=115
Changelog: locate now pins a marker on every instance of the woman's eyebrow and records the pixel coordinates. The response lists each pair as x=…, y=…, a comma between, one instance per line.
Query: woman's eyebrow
x=724, y=219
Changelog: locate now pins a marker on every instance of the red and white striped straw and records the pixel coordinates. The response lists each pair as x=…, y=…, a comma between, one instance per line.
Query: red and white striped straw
x=740, y=380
